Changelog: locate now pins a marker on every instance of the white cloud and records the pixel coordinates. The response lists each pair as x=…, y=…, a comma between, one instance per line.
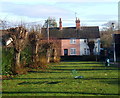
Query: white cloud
x=42, y=1
x=35, y=10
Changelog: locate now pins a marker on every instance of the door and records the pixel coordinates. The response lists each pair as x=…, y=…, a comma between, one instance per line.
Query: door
x=65, y=52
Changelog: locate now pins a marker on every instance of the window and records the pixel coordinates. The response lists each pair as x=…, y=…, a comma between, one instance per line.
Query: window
x=85, y=52
x=72, y=41
x=88, y=51
x=73, y=51
x=85, y=41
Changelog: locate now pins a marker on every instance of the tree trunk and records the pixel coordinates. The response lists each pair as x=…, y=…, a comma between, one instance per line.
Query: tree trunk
x=17, y=64
x=17, y=59
x=55, y=55
x=91, y=51
x=35, y=53
x=91, y=45
x=48, y=55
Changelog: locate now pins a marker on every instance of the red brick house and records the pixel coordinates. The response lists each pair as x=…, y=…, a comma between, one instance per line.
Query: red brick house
x=74, y=39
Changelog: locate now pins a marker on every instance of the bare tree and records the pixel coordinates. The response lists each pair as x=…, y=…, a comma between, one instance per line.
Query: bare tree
x=110, y=26
x=106, y=33
x=91, y=45
x=3, y=24
x=56, y=50
x=51, y=22
x=47, y=47
x=19, y=36
x=34, y=38
x=52, y=49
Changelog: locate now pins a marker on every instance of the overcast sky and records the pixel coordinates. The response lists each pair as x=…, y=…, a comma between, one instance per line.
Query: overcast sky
x=90, y=12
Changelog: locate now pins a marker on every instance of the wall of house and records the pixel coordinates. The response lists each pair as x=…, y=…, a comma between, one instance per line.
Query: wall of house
x=97, y=46
x=65, y=44
x=80, y=46
x=84, y=49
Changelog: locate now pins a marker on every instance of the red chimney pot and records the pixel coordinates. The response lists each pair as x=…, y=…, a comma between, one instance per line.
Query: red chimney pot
x=60, y=24
x=77, y=23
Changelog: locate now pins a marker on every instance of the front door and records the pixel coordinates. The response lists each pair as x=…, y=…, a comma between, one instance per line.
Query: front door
x=65, y=52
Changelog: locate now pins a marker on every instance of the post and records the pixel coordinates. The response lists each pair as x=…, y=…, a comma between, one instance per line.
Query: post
x=48, y=29
x=98, y=47
x=96, y=52
x=114, y=42
x=113, y=35
x=114, y=48
x=48, y=50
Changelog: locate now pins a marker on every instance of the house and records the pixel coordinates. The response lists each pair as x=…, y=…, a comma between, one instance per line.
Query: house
x=74, y=40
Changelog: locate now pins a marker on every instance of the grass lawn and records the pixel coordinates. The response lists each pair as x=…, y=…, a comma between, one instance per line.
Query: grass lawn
x=97, y=80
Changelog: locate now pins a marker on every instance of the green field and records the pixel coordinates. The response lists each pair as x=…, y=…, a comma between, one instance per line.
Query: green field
x=58, y=80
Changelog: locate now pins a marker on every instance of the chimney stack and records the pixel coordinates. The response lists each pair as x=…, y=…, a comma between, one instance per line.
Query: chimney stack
x=60, y=24
x=77, y=23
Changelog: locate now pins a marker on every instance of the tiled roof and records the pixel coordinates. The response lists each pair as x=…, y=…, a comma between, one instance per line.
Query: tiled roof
x=72, y=32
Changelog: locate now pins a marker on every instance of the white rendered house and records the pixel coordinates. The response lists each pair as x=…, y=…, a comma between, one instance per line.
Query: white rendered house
x=84, y=49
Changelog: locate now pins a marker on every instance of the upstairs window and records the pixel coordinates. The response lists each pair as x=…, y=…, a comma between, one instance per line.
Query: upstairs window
x=72, y=41
x=85, y=41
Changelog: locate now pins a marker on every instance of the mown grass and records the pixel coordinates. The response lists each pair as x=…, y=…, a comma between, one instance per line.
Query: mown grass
x=58, y=80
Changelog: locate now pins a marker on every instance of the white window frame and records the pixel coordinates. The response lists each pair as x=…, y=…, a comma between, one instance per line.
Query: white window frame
x=72, y=51
x=72, y=41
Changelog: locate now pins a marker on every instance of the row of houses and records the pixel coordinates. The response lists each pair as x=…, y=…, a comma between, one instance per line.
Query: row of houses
x=73, y=40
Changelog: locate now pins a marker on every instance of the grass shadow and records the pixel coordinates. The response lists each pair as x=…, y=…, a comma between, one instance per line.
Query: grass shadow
x=24, y=83
x=45, y=72
x=54, y=82
x=114, y=82
x=99, y=78
x=63, y=78
x=82, y=66
x=85, y=63
x=39, y=78
x=53, y=92
x=84, y=69
x=41, y=82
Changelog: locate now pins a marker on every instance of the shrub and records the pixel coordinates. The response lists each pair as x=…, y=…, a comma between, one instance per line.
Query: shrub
x=43, y=62
x=7, y=60
x=57, y=60
x=26, y=56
